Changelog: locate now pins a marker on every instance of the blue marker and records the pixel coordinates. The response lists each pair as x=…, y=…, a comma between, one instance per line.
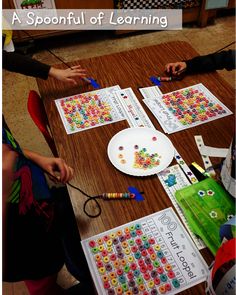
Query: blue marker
x=92, y=82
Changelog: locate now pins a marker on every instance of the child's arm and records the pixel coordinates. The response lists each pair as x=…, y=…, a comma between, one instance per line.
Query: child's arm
x=211, y=62
x=15, y=62
x=9, y=158
x=54, y=166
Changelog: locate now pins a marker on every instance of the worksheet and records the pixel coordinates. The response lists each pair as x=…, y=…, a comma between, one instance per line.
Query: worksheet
x=151, y=255
x=186, y=108
x=91, y=109
x=134, y=111
x=150, y=92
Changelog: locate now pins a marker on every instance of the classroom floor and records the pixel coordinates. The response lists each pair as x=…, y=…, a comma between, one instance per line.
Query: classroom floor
x=16, y=87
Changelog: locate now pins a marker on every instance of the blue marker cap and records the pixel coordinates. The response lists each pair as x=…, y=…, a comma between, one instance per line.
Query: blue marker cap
x=155, y=81
x=94, y=83
x=138, y=195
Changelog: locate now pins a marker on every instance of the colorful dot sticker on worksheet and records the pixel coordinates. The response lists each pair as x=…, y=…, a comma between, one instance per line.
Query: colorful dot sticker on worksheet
x=185, y=108
x=91, y=109
x=149, y=256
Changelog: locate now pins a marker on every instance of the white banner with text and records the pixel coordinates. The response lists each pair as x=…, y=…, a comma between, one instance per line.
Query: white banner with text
x=92, y=19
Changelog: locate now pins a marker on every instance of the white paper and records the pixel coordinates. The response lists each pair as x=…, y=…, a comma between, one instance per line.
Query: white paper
x=186, y=108
x=89, y=110
x=169, y=235
x=213, y=152
x=135, y=113
x=182, y=164
x=150, y=92
x=206, y=160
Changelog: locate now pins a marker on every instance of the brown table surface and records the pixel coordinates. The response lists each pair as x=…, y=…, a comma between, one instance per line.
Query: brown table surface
x=86, y=151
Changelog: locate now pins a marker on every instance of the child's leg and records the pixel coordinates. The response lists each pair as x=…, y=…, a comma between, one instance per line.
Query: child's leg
x=45, y=286
x=67, y=229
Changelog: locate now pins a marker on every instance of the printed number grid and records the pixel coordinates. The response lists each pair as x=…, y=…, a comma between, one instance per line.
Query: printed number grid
x=135, y=260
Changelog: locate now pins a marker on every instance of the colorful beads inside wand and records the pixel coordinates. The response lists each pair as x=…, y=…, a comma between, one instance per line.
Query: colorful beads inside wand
x=109, y=196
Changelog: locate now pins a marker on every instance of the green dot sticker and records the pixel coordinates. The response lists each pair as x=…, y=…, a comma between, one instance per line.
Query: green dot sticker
x=131, y=242
x=124, y=287
x=95, y=250
x=139, y=280
x=156, y=263
x=132, y=227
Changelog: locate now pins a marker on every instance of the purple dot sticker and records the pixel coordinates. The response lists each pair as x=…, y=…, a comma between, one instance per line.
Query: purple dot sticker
x=136, y=147
x=121, y=148
x=154, y=138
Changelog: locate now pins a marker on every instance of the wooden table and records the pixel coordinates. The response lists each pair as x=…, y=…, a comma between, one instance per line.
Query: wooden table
x=86, y=151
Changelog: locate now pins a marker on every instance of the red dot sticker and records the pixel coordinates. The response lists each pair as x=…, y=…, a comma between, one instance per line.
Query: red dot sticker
x=92, y=244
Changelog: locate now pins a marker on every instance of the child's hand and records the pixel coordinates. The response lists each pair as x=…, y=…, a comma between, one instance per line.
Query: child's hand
x=68, y=75
x=176, y=68
x=58, y=168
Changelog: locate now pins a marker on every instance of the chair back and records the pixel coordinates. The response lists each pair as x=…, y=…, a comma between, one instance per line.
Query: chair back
x=38, y=114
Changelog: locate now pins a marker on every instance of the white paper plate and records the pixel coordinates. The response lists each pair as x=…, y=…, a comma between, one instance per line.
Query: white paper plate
x=125, y=151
